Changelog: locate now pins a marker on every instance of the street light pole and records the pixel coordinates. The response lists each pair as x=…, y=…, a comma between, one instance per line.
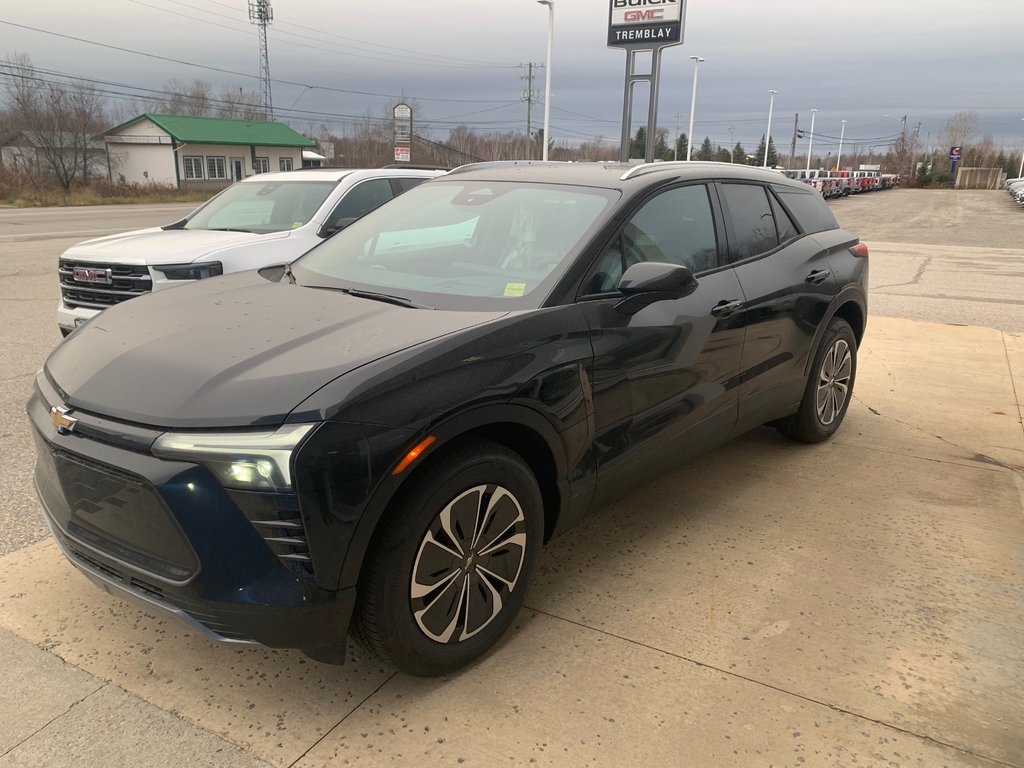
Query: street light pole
x=839, y=157
x=693, y=104
x=768, y=136
x=1021, y=171
x=810, y=140
x=547, y=76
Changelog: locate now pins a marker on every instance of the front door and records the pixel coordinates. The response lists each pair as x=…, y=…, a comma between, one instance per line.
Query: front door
x=664, y=379
x=237, y=168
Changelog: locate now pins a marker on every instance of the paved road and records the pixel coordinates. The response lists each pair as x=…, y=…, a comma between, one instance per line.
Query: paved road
x=946, y=256
x=851, y=604
x=19, y=225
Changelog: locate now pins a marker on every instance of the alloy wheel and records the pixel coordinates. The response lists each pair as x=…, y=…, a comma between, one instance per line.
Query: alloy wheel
x=834, y=382
x=468, y=563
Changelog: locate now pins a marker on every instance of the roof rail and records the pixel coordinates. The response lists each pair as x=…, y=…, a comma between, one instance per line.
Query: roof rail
x=502, y=164
x=639, y=170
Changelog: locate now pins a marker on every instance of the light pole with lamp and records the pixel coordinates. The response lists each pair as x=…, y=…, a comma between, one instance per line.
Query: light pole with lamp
x=839, y=156
x=547, y=76
x=693, y=105
x=810, y=138
x=768, y=136
x=1021, y=171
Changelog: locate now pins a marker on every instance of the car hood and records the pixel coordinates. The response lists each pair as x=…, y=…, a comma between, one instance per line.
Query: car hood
x=163, y=246
x=232, y=351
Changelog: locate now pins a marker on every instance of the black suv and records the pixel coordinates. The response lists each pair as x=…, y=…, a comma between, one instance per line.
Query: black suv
x=379, y=437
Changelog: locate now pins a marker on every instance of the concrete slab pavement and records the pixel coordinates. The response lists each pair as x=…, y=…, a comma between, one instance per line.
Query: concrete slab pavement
x=854, y=603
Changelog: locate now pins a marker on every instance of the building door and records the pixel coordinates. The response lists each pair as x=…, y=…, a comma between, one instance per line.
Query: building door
x=237, y=168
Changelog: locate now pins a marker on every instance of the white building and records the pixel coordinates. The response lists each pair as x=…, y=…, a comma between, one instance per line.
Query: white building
x=206, y=153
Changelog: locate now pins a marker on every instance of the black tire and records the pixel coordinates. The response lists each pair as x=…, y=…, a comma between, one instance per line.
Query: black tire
x=831, y=379
x=459, y=605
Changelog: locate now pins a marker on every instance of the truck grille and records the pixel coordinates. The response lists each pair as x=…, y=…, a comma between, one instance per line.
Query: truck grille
x=116, y=283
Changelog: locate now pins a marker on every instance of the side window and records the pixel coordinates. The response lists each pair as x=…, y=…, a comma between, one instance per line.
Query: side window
x=753, y=226
x=677, y=227
x=810, y=211
x=787, y=229
x=360, y=200
x=405, y=183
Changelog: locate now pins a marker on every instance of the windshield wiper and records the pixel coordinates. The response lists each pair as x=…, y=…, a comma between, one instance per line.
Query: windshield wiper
x=228, y=229
x=385, y=297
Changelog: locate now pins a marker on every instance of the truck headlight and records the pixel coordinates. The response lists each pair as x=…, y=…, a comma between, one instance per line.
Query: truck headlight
x=190, y=271
x=249, y=461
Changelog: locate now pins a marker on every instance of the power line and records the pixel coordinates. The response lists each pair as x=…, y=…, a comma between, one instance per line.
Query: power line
x=182, y=62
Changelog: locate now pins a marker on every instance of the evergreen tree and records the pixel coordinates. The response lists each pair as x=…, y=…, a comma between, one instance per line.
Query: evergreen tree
x=722, y=155
x=773, y=156
x=638, y=147
x=661, y=148
x=681, y=143
x=739, y=154
x=706, y=151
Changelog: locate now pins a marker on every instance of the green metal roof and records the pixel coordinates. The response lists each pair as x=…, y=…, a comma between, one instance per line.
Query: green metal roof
x=220, y=130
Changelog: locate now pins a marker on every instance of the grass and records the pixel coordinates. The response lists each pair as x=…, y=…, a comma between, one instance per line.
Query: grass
x=97, y=193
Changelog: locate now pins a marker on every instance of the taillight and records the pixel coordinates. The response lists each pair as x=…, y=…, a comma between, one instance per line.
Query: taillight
x=860, y=250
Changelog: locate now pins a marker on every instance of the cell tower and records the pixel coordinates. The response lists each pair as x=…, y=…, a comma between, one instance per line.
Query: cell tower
x=261, y=14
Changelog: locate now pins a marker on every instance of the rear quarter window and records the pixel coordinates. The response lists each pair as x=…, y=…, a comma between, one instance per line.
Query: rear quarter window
x=808, y=209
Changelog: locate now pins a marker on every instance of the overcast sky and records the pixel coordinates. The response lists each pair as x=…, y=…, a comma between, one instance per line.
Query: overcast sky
x=869, y=62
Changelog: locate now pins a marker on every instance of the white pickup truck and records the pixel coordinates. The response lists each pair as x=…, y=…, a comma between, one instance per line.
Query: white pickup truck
x=270, y=218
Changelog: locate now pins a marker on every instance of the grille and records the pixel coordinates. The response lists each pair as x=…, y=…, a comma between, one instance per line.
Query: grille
x=125, y=282
x=277, y=519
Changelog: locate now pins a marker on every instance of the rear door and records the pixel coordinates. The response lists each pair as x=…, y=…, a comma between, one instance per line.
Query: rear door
x=787, y=285
x=664, y=379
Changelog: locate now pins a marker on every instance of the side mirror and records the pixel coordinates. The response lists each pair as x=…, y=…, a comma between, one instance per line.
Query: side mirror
x=651, y=281
x=336, y=227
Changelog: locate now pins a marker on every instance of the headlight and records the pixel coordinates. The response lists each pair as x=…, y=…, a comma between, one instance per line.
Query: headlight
x=249, y=461
x=190, y=271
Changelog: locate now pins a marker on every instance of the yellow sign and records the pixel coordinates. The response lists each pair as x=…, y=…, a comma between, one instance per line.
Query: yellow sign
x=515, y=289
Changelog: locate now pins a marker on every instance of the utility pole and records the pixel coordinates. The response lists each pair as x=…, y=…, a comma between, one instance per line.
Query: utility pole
x=529, y=95
x=261, y=14
x=792, y=144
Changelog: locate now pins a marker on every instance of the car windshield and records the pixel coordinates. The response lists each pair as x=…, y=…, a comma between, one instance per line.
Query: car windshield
x=262, y=206
x=462, y=244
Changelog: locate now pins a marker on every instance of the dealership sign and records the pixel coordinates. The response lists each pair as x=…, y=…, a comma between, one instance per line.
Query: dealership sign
x=645, y=23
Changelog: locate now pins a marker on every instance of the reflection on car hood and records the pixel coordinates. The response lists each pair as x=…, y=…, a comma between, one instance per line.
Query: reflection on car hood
x=162, y=246
x=232, y=351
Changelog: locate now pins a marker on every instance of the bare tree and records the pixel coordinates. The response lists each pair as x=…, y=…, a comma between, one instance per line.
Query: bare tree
x=57, y=119
x=959, y=128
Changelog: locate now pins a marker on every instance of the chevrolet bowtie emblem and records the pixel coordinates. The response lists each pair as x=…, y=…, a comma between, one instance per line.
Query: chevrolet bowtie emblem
x=63, y=423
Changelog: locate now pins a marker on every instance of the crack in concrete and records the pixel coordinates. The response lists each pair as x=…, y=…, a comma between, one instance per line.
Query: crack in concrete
x=913, y=281
x=972, y=454
x=53, y=720
x=803, y=697
x=352, y=711
x=1013, y=383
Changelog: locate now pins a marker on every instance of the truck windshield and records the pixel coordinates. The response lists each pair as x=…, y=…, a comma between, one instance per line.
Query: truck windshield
x=254, y=206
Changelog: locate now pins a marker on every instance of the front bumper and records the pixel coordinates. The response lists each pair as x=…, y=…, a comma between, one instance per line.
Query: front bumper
x=168, y=537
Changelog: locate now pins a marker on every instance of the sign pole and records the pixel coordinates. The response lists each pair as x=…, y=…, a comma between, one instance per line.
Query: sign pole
x=648, y=26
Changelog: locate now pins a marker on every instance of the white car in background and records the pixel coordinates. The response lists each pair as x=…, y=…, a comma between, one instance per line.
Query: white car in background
x=270, y=218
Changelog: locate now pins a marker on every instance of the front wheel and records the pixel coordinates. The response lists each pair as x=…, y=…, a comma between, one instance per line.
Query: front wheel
x=829, y=387
x=447, y=574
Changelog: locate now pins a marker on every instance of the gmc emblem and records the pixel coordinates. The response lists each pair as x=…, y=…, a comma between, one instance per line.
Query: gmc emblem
x=84, y=275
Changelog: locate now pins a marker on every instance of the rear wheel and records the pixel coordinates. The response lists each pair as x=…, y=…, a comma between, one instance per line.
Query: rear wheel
x=446, y=577
x=829, y=387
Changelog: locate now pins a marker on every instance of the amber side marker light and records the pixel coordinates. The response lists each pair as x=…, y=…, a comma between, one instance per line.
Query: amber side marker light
x=414, y=454
x=860, y=250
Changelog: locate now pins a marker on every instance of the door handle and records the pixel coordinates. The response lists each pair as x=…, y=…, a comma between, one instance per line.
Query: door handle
x=725, y=308
x=817, y=277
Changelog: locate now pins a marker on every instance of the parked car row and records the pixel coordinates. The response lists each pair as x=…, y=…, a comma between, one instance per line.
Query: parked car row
x=831, y=184
x=1016, y=189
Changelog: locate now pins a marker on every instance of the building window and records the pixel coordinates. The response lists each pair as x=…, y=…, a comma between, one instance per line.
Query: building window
x=216, y=168
x=193, y=167
x=286, y=163
x=261, y=164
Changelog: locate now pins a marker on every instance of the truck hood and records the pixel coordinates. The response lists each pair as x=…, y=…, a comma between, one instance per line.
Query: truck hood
x=163, y=246
x=233, y=351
